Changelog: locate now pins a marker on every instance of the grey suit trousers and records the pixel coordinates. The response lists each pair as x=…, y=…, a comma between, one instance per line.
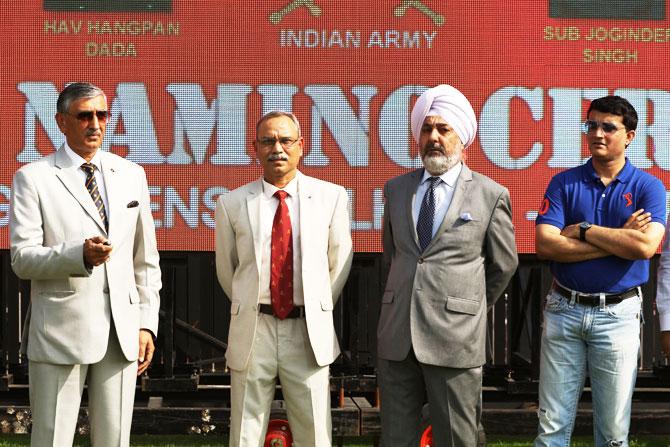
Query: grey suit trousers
x=454, y=396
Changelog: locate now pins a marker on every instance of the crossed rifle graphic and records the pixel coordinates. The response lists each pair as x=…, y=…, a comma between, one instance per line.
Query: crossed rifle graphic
x=399, y=11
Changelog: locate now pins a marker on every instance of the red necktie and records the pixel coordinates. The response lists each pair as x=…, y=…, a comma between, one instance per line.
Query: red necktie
x=281, y=271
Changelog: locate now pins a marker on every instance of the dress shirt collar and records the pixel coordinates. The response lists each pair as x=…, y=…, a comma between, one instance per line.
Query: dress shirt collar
x=78, y=160
x=291, y=188
x=448, y=177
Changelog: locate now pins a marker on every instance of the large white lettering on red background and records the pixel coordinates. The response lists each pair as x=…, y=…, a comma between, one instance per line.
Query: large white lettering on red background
x=213, y=132
x=199, y=121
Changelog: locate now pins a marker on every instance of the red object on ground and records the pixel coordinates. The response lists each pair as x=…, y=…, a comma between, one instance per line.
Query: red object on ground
x=427, y=437
x=278, y=434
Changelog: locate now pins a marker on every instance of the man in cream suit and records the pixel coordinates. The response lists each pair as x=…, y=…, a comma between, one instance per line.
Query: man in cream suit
x=449, y=249
x=81, y=230
x=283, y=253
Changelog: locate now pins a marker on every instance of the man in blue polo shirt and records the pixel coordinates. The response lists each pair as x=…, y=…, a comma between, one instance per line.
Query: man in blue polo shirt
x=599, y=224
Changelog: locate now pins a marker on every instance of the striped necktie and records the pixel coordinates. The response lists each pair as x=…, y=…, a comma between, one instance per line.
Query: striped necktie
x=92, y=187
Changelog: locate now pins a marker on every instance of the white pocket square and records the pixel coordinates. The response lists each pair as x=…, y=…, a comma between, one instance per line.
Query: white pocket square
x=466, y=217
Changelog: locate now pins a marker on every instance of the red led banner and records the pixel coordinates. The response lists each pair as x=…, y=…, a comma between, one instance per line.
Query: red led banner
x=187, y=81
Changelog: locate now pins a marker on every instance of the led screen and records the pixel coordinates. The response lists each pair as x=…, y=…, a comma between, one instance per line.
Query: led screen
x=187, y=80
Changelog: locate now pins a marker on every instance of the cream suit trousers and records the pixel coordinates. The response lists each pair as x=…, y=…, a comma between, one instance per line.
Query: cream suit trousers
x=281, y=350
x=55, y=396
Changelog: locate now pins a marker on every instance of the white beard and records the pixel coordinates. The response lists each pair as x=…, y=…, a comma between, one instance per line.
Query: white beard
x=439, y=164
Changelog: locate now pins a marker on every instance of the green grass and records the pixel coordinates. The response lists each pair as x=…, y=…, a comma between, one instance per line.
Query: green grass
x=136, y=441
x=647, y=441
x=221, y=441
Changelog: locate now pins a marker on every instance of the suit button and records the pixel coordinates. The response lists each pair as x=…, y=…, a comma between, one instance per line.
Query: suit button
x=106, y=290
x=420, y=261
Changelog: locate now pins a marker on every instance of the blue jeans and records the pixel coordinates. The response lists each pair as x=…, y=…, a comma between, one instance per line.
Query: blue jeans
x=606, y=341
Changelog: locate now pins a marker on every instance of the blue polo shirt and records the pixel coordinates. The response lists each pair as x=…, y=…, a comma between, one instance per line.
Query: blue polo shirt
x=578, y=195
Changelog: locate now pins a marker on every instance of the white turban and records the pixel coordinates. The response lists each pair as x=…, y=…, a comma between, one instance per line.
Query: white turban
x=449, y=104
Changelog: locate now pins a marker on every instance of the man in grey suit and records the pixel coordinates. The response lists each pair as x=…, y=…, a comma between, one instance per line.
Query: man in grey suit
x=81, y=231
x=449, y=251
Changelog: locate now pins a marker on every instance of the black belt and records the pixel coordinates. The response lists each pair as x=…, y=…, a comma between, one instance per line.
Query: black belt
x=594, y=299
x=297, y=312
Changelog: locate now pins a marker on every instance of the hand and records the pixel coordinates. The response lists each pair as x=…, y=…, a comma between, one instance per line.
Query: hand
x=96, y=251
x=571, y=231
x=639, y=220
x=147, y=349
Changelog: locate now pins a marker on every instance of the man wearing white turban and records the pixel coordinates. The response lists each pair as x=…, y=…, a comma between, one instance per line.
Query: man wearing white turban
x=449, y=251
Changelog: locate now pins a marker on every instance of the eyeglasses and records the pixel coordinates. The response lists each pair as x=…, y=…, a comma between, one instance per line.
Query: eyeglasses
x=592, y=126
x=286, y=142
x=87, y=116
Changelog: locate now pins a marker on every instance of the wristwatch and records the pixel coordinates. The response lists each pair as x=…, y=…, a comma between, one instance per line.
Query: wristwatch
x=582, y=230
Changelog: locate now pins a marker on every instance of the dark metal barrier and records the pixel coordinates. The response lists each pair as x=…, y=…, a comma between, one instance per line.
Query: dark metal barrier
x=195, y=316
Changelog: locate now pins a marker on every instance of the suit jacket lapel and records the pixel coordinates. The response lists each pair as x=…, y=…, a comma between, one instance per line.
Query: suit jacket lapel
x=460, y=192
x=67, y=173
x=254, y=214
x=112, y=189
x=305, y=200
x=410, y=194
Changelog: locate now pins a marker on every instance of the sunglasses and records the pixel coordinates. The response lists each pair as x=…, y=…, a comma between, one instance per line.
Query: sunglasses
x=592, y=126
x=87, y=116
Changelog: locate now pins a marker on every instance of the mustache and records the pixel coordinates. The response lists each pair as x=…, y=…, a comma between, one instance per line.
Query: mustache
x=434, y=147
x=91, y=132
x=276, y=157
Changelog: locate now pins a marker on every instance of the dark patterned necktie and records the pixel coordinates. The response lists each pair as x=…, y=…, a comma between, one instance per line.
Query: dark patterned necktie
x=92, y=187
x=281, y=257
x=424, y=224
